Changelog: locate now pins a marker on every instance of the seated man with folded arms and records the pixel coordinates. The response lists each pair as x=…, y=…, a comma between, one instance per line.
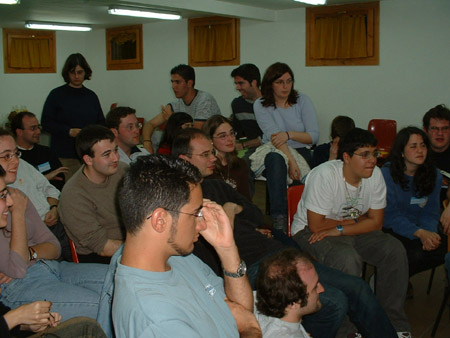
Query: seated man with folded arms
x=88, y=201
x=126, y=128
x=287, y=288
x=44, y=196
x=161, y=289
x=339, y=221
x=27, y=130
x=344, y=293
x=197, y=103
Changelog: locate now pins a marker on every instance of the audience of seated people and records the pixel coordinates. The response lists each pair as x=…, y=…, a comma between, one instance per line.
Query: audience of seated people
x=27, y=131
x=197, y=103
x=287, y=119
x=344, y=293
x=328, y=151
x=175, y=123
x=340, y=217
x=287, y=288
x=412, y=204
x=228, y=167
x=126, y=128
x=44, y=196
x=88, y=201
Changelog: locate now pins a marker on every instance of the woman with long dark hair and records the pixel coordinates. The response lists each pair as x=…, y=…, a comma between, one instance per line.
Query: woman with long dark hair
x=412, y=212
x=176, y=123
x=287, y=118
x=228, y=167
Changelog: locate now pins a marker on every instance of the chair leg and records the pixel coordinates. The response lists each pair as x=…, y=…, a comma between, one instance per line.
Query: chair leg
x=441, y=311
x=430, y=282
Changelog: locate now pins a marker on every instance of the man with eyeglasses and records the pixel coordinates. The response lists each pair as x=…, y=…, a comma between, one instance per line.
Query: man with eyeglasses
x=436, y=123
x=126, y=128
x=88, y=205
x=27, y=131
x=339, y=220
x=344, y=294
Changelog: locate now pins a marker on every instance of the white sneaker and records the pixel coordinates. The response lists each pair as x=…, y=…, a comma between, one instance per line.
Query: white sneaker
x=404, y=334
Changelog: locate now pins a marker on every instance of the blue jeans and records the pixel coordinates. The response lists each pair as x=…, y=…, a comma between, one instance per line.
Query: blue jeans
x=276, y=173
x=74, y=289
x=447, y=264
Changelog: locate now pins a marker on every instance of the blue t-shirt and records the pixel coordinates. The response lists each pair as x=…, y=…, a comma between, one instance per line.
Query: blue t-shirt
x=187, y=301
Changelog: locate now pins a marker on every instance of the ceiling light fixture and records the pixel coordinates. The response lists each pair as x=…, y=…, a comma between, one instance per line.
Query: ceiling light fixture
x=313, y=2
x=57, y=26
x=9, y=2
x=143, y=13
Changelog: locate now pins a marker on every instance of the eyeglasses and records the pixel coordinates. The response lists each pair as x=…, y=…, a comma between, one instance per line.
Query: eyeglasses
x=223, y=136
x=4, y=194
x=10, y=156
x=195, y=214
x=445, y=129
x=367, y=154
x=34, y=128
x=206, y=154
x=131, y=127
x=281, y=82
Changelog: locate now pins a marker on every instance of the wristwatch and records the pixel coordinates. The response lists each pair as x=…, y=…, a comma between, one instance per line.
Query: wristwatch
x=340, y=228
x=241, y=271
x=32, y=253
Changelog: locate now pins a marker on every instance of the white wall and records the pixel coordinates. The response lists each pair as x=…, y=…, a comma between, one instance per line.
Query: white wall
x=412, y=77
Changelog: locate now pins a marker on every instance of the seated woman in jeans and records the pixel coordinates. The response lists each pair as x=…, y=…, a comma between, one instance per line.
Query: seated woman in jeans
x=287, y=118
x=28, y=268
x=412, y=212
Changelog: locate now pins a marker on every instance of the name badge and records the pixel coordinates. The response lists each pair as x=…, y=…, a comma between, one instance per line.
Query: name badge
x=421, y=201
x=44, y=167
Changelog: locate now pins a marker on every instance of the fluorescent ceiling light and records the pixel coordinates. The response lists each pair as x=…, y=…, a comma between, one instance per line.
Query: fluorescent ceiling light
x=9, y=2
x=313, y=2
x=143, y=13
x=57, y=26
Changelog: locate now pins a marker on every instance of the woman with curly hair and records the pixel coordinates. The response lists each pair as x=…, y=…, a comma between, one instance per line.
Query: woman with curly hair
x=228, y=167
x=412, y=211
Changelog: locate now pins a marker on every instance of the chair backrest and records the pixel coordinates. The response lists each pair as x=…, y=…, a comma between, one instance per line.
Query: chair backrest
x=74, y=251
x=293, y=197
x=385, y=132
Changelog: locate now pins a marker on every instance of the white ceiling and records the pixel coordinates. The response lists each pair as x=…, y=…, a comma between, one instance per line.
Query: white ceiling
x=94, y=12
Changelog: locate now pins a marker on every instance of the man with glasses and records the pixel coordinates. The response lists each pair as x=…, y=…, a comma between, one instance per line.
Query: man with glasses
x=88, y=205
x=126, y=128
x=27, y=130
x=340, y=216
x=161, y=289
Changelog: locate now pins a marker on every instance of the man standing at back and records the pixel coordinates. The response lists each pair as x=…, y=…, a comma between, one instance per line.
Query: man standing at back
x=88, y=206
x=162, y=290
x=126, y=128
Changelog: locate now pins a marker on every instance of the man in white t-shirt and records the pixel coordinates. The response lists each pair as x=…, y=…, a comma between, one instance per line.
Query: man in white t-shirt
x=287, y=289
x=339, y=221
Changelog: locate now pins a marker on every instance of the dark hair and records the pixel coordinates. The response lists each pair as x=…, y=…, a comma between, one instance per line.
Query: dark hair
x=173, y=127
x=278, y=283
x=90, y=135
x=341, y=125
x=155, y=181
x=249, y=72
x=209, y=128
x=440, y=112
x=355, y=139
x=273, y=73
x=4, y=132
x=16, y=120
x=76, y=60
x=115, y=115
x=425, y=176
x=2, y=172
x=182, y=143
x=185, y=71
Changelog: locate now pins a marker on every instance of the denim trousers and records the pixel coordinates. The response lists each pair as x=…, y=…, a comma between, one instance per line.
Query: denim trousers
x=447, y=264
x=74, y=289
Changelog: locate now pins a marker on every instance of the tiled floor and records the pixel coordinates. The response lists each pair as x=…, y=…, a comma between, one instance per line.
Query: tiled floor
x=422, y=309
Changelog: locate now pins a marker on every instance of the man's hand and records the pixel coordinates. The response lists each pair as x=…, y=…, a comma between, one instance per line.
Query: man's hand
x=279, y=139
x=334, y=148
x=35, y=316
x=4, y=279
x=51, y=217
x=53, y=175
x=166, y=111
x=218, y=231
x=73, y=132
x=246, y=321
x=318, y=236
x=265, y=232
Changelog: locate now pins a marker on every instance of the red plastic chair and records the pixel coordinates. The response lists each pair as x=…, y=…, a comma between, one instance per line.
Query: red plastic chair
x=74, y=251
x=293, y=197
x=385, y=132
